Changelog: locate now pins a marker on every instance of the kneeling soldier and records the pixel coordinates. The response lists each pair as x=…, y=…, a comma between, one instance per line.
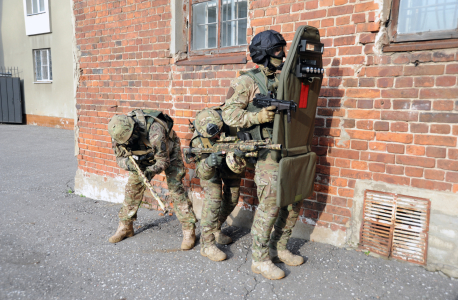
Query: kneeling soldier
x=213, y=171
x=148, y=134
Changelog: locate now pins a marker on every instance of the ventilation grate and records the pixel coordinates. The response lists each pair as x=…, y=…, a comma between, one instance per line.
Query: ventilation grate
x=395, y=225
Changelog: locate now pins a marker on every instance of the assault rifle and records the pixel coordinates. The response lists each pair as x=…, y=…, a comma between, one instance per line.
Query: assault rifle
x=250, y=147
x=281, y=105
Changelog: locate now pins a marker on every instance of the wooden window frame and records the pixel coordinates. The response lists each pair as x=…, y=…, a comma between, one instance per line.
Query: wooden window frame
x=417, y=41
x=219, y=55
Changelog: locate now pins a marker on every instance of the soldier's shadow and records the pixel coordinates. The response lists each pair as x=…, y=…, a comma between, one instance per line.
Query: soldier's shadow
x=156, y=223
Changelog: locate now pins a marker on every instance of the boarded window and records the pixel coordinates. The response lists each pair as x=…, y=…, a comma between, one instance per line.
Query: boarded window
x=395, y=226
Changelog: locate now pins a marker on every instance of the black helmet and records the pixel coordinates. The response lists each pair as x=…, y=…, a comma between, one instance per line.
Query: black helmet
x=264, y=44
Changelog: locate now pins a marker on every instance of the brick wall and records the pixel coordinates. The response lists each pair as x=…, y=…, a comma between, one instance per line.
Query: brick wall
x=388, y=117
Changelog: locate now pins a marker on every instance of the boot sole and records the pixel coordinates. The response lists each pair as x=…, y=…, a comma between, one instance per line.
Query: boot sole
x=278, y=260
x=203, y=254
x=256, y=271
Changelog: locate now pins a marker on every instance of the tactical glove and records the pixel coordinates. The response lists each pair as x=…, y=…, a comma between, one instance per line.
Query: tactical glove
x=239, y=153
x=266, y=115
x=215, y=159
x=149, y=174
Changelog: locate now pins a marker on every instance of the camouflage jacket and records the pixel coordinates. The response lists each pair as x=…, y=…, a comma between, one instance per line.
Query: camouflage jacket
x=204, y=171
x=161, y=145
x=241, y=92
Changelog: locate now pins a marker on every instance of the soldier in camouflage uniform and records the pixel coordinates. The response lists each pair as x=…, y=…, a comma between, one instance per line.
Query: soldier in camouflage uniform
x=267, y=50
x=213, y=171
x=148, y=134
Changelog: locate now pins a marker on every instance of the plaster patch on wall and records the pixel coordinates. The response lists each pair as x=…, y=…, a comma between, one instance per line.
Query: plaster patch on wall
x=382, y=16
x=344, y=136
x=100, y=187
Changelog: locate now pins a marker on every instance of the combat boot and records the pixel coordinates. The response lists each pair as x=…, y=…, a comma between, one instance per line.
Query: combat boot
x=222, y=239
x=267, y=269
x=213, y=253
x=125, y=230
x=286, y=256
x=189, y=239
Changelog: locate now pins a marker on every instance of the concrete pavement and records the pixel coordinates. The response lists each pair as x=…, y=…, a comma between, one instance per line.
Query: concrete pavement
x=53, y=245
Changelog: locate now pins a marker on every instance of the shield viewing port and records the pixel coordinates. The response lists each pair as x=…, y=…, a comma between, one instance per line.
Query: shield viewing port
x=395, y=226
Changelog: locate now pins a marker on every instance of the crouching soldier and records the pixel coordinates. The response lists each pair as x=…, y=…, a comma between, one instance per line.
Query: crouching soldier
x=213, y=171
x=148, y=135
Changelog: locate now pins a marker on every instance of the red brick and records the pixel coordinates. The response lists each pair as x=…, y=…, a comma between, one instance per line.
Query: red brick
x=366, y=6
x=436, y=152
x=365, y=104
x=401, y=58
x=401, y=104
x=341, y=182
x=405, y=138
x=444, y=93
x=377, y=167
x=399, y=115
x=424, y=70
x=315, y=14
x=431, y=185
x=452, y=177
x=381, y=126
x=443, y=105
x=333, y=152
x=399, y=180
x=424, y=81
x=419, y=128
x=380, y=157
x=382, y=104
x=358, y=18
x=421, y=105
x=447, y=164
x=395, y=148
x=434, y=174
x=444, y=56
x=400, y=93
x=358, y=145
x=394, y=169
x=363, y=114
x=445, y=80
x=403, y=82
x=385, y=82
x=342, y=41
x=414, y=172
x=350, y=50
x=368, y=27
x=338, y=210
x=326, y=217
x=342, y=163
x=415, y=161
x=383, y=71
x=377, y=146
x=440, y=128
x=349, y=193
x=415, y=150
x=327, y=22
x=453, y=153
x=365, y=125
x=399, y=127
x=341, y=10
x=311, y=4
x=355, y=174
x=435, y=140
x=359, y=165
x=361, y=134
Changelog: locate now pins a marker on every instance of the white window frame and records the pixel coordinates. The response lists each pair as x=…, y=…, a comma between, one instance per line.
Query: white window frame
x=39, y=22
x=41, y=67
x=31, y=4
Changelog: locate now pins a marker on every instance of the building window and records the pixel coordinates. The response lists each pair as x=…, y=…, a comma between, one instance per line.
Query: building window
x=219, y=25
x=43, y=66
x=420, y=20
x=35, y=7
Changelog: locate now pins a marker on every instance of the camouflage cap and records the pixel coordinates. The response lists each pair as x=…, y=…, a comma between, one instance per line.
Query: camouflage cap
x=236, y=164
x=120, y=128
x=208, y=123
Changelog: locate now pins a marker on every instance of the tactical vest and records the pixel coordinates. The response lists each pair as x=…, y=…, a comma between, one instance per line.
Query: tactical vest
x=144, y=118
x=261, y=131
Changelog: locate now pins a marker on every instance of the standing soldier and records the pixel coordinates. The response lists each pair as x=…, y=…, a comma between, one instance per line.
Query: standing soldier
x=267, y=51
x=213, y=171
x=148, y=134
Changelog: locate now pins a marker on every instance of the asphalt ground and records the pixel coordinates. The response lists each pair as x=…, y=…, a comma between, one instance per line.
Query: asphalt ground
x=54, y=245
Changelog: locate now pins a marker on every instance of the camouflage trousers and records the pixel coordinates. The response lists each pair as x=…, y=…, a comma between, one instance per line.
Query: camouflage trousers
x=181, y=203
x=218, y=204
x=269, y=215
